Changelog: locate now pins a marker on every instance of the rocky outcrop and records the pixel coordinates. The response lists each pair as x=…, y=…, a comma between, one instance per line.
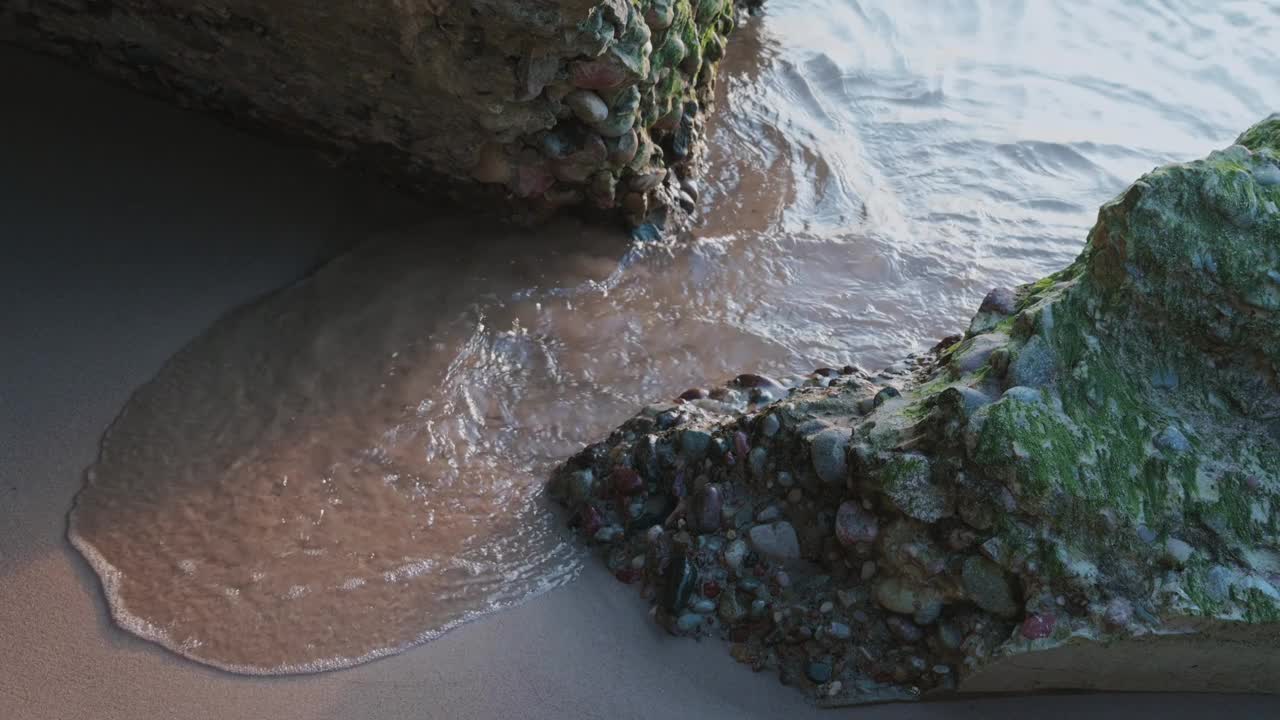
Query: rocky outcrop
x=530, y=106
x=1081, y=491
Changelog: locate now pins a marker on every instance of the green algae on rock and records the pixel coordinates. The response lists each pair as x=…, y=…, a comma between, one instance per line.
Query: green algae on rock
x=528, y=106
x=1079, y=492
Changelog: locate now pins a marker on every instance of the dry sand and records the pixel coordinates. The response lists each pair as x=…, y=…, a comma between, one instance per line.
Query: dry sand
x=127, y=227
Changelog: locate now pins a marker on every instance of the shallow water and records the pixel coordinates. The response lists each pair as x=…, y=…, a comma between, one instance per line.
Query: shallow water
x=353, y=464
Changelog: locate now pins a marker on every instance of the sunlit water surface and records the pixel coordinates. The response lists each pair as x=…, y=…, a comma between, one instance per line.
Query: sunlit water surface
x=353, y=465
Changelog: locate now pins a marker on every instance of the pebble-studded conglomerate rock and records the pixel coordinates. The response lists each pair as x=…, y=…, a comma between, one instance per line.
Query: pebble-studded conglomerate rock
x=1079, y=491
x=527, y=106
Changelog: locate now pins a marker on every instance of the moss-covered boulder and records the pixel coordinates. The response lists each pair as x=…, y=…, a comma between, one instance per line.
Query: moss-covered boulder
x=1081, y=491
x=516, y=105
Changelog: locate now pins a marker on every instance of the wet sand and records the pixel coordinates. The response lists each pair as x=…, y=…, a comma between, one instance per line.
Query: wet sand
x=127, y=228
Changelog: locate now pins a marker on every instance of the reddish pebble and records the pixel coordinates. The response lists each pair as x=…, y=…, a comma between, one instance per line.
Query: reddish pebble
x=533, y=180
x=711, y=589
x=751, y=380
x=1038, y=626
x=693, y=394
x=590, y=520
x=596, y=75
x=740, y=444
x=626, y=481
x=627, y=575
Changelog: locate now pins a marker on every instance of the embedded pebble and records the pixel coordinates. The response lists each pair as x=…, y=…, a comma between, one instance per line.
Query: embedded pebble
x=1177, y=552
x=731, y=609
x=828, y=450
x=1118, y=614
x=734, y=554
x=581, y=483
x=840, y=631
x=987, y=585
x=704, y=607
x=770, y=425
x=709, y=504
x=768, y=514
x=776, y=540
x=855, y=525
x=897, y=595
x=904, y=629
x=756, y=462
x=1036, y=627
x=819, y=672
x=587, y=106
x=689, y=622
x=1172, y=439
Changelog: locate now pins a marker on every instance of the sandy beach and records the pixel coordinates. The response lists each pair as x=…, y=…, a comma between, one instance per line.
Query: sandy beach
x=128, y=226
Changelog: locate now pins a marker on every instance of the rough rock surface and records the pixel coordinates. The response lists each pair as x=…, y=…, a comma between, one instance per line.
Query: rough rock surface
x=1081, y=491
x=531, y=105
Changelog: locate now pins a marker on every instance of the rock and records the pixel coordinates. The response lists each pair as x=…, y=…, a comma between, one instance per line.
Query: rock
x=626, y=481
x=974, y=353
x=819, y=672
x=623, y=148
x=1118, y=614
x=908, y=481
x=1035, y=365
x=855, y=525
x=1036, y=627
x=769, y=425
x=900, y=596
x=776, y=541
x=428, y=94
x=839, y=631
x=987, y=585
x=1177, y=552
x=734, y=554
x=704, y=607
x=648, y=180
x=660, y=14
x=904, y=630
x=1120, y=479
x=695, y=443
x=581, y=485
x=768, y=514
x=731, y=609
x=1172, y=440
x=709, y=503
x=597, y=74
x=827, y=450
x=681, y=578
x=689, y=622
x=587, y=106
x=756, y=462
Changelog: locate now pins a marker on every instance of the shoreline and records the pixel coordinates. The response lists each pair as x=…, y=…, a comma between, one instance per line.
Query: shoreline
x=99, y=294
